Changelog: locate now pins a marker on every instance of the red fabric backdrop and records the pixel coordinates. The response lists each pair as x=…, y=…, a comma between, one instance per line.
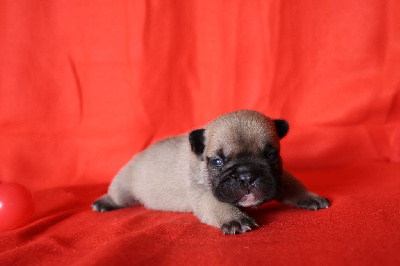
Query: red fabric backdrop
x=84, y=85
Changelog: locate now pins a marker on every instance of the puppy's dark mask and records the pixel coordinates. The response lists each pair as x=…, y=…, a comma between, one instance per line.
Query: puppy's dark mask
x=250, y=174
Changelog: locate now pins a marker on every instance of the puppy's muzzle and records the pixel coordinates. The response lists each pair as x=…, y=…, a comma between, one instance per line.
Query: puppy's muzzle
x=245, y=175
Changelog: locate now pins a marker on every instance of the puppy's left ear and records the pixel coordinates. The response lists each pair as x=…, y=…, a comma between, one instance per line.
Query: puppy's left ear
x=282, y=127
x=196, y=138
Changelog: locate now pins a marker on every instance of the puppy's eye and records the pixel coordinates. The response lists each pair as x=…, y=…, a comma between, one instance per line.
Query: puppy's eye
x=273, y=156
x=217, y=162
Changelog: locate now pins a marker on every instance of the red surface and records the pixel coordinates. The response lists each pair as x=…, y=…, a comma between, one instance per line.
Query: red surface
x=84, y=85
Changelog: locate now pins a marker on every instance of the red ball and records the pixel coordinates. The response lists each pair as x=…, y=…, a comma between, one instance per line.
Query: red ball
x=16, y=205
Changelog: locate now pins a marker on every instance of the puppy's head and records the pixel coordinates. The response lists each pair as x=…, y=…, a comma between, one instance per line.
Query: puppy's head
x=240, y=151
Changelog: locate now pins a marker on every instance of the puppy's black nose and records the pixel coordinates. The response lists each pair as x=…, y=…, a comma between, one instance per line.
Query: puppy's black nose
x=245, y=178
x=245, y=175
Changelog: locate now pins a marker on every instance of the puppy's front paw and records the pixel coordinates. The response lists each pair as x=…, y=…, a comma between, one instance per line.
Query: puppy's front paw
x=239, y=226
x=313, y=202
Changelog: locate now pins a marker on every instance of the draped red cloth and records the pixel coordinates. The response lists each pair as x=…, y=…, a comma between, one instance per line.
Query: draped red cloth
x=84, y=85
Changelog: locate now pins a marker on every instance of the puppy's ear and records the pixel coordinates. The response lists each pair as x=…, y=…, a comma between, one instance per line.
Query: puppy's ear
x=282, y=127
x=196, y=138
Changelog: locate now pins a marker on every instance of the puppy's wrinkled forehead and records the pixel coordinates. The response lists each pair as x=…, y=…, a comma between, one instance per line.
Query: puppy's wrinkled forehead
x=240, y=132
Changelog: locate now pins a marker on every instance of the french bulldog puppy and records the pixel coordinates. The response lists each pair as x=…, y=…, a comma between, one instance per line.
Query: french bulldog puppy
x=231, y=163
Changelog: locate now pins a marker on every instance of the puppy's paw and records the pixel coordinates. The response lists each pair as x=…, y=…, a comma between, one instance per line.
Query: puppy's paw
x=104, y=204
x=313, y=202
x=239, y=226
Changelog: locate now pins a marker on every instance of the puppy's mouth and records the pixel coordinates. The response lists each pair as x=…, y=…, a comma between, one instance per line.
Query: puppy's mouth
x=241, y=197
x=246, y=188
x=249, y=200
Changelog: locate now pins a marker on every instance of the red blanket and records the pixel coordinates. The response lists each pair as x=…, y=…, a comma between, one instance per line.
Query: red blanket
x=84, y=85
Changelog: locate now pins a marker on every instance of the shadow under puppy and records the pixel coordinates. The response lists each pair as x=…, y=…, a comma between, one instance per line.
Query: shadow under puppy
x=232, y=162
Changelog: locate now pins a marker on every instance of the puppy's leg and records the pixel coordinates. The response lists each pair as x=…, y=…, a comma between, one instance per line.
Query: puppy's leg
x=120, y=193
x=108, y=203
x=296, y=194
x=225, y=216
